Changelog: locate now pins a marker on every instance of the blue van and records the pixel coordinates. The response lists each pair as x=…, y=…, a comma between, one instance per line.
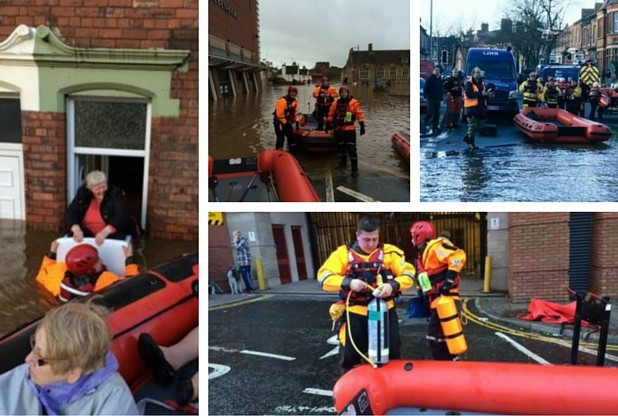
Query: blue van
x=560, y=71
x=498, y=68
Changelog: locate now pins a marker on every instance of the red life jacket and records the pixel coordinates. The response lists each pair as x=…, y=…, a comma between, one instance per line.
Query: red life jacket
x=366, y=270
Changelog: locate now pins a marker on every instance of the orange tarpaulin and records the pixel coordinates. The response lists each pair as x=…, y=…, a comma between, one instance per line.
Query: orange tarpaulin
x=542, y=310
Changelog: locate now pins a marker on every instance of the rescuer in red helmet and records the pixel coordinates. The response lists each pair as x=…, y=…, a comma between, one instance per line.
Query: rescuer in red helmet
x=285, y=116
x=81, y=273
x=324, y=95
x=441, y=262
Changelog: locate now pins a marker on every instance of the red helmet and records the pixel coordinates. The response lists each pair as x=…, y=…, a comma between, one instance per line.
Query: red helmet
x=293, y=88
x=344, y=88
x=422, y=231
x=81, y=259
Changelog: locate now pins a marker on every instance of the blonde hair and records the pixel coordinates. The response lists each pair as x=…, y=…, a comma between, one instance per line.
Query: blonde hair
x=77, y=337
x=94, y=178
x=236, y=233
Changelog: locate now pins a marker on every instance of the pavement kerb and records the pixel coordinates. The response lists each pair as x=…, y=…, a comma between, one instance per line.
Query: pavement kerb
x=553, y=330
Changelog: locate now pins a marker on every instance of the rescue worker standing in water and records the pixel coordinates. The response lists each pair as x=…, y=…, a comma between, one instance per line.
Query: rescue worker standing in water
x=475, y=105
x=286, y=113
x=442, y=262
x=324, y=95
x=355, y=269
x=342, y=115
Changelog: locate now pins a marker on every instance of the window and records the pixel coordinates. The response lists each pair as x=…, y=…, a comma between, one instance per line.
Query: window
x=10, y=120
x=615, y=26
x=405, y=72
x=364, y=73
x=380, y=72
x=393, y=72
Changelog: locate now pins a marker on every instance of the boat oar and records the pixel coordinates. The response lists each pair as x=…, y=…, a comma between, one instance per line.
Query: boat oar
x=248, y=187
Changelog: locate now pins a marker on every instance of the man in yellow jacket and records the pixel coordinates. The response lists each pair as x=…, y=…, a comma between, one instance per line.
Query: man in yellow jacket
x=440, y=261
x=81, y=273
x=354, y=270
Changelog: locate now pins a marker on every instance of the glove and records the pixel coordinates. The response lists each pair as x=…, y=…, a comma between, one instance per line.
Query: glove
x=328, y=126
x=297, y=126
x=362, y=125
x=446, y=286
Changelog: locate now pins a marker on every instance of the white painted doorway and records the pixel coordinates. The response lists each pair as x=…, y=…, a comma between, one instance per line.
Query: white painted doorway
x=11, y=182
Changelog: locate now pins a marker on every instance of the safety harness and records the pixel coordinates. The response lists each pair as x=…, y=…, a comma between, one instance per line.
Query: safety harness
x=366, y=270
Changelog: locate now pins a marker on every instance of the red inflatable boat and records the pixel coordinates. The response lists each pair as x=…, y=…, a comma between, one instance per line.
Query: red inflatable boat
x=477, y=387
x=161, y=302
x=308, y=136
x=273, y=175
x=553, y=125
x=401, y=142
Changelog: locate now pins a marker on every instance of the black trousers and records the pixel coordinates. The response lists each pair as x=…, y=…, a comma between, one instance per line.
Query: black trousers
x=357, y=329
x=283, y=131
x=346, y=142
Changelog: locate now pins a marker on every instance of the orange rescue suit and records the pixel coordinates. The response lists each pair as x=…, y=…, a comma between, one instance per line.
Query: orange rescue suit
x=343, y=116
x=52, y=272
x=286, y=110
x=440, y=257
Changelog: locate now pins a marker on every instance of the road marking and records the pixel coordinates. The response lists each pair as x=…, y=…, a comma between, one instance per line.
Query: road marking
x=523, y=349
x=319, y=392
x=265, y=354
x=222, y=349
x=357, y=195
x=304, y=410
x=330, y=192
x=334, y=340
x=219, y=370
x=240, y=302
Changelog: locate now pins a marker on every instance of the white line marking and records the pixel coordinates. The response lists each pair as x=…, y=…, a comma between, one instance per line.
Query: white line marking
x=304, y=410
x=330, y=192
x=265, y=354
x=595, y=353
x=357, y=195
x=334, y=351
x=523, y=349
x=334, y=340
x=219, y=370
x=319, y=392
x=222, y=349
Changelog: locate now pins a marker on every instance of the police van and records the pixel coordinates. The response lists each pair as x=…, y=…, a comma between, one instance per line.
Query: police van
x=498, y=68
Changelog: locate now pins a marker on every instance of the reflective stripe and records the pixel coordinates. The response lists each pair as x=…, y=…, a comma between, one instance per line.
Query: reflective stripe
x=325, y=275
x=73, y=290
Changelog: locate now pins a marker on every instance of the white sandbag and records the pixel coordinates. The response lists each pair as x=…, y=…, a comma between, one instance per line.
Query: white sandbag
x=110, y=252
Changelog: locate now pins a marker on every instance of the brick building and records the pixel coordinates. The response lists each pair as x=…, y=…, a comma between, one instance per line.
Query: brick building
x=109, y=85
x=233, y=48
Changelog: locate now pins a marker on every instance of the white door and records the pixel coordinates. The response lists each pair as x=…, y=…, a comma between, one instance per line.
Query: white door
x=11, y=189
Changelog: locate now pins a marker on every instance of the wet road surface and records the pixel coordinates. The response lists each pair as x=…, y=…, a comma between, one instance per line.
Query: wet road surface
x=512, y=168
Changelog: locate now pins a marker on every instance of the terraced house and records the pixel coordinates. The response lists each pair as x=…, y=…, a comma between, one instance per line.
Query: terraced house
x=109, y=85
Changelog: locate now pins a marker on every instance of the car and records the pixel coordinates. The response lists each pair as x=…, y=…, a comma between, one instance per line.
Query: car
x=423, y=102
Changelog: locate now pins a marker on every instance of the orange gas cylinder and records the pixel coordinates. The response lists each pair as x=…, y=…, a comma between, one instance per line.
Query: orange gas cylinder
x=451, y=325
x=604, y=101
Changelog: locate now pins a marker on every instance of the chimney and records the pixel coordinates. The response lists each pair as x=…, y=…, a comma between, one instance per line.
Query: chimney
x=370, y=47
x=485, y=27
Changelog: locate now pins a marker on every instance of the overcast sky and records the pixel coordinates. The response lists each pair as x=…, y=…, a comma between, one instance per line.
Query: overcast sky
x=310, y=31
x=464, y=14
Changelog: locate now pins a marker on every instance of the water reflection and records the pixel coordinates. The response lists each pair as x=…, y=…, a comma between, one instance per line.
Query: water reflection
x=21, y=252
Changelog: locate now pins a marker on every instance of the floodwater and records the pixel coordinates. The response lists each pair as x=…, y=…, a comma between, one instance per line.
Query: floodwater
x=21, y=252
x=243, y=126
x=523, y=172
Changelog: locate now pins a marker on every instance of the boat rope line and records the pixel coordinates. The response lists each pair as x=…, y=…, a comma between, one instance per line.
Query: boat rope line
x=523, y=349
x=583, y=346
x=240, y=303
x=151, y=317
x=357, y=195
x=330, y=191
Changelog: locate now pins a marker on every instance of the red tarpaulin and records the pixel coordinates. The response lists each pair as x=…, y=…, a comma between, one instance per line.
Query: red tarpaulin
x=542, y=310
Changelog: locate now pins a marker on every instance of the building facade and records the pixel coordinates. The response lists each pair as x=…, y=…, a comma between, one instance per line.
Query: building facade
x=377, y=67
x=111, y=87
x=233, y=48
x=533, y=255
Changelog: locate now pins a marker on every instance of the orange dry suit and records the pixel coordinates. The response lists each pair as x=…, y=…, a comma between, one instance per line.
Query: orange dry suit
x=325, y=96
x=343, y=113
x=286, y=110
x=52, y=275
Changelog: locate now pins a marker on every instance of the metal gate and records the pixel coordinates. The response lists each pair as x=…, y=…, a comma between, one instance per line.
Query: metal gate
x=580, y=239
x=332, y=229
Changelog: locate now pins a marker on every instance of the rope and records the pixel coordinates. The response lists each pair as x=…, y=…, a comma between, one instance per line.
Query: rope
x=349, y=332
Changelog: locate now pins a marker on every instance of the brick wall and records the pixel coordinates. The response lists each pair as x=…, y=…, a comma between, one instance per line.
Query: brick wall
x=538, y=256
x=220, y=255
x=170, y=24
x=242, y=31
x=604, y=262
x=44, y=144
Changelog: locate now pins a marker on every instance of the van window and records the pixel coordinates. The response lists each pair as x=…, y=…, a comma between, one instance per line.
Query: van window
x=495, y=70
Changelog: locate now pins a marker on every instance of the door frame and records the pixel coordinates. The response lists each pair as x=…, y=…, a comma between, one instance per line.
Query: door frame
x=74, y=176
x=17, y=150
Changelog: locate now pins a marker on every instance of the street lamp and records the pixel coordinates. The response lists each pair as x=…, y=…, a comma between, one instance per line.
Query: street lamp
x=431, y=30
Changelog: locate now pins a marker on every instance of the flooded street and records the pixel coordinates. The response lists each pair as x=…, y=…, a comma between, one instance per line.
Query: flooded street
x=21, y=252
x=243, y=126
x=510, y=167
